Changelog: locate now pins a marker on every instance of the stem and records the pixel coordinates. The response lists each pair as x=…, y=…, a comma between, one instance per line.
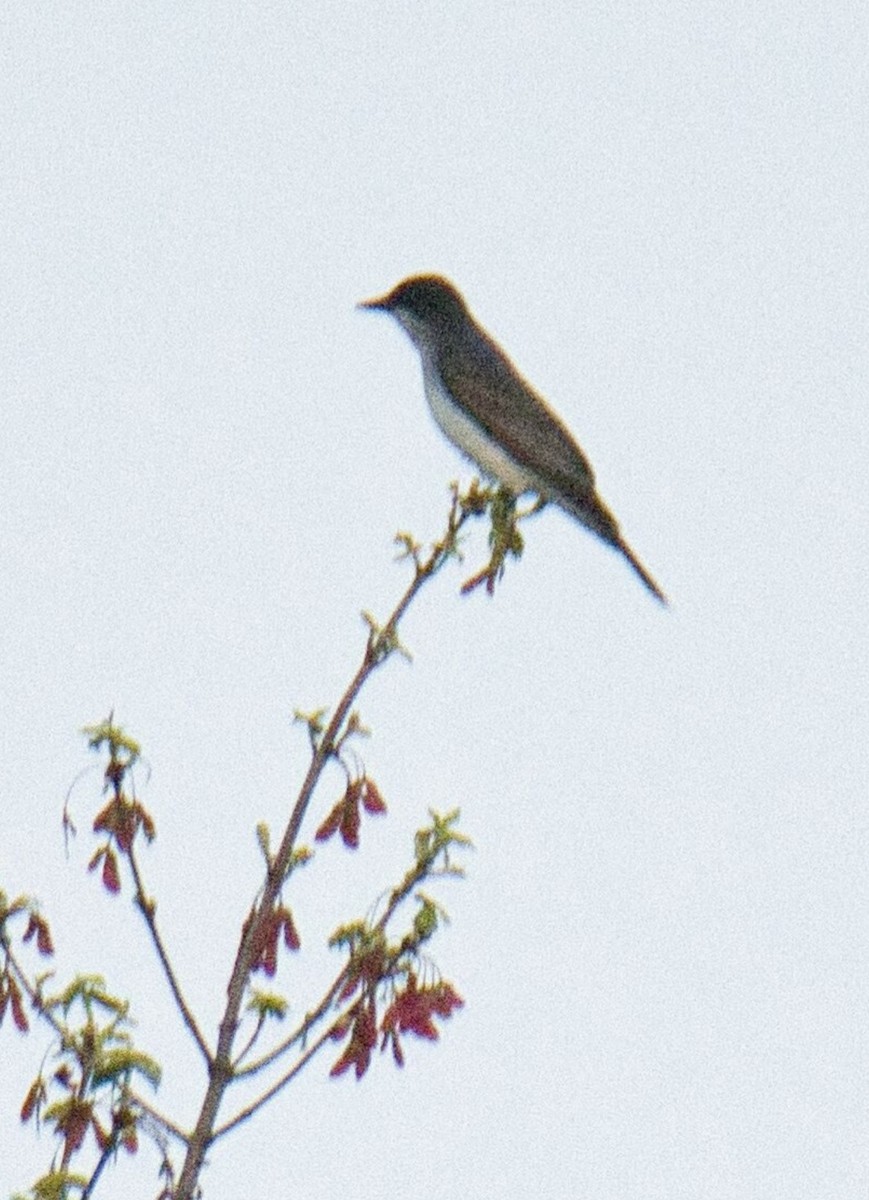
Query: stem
x=246, y=1113
x=379, y=646
x=146, y=908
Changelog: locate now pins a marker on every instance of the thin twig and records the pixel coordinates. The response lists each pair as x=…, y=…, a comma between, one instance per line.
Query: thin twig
x=246, y=1113
x=147, y=909
x=108, y=1150
x=34, y=997
x=169, y=1126
x=299, y=1034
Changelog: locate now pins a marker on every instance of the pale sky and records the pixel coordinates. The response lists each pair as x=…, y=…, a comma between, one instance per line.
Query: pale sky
x=661, y=213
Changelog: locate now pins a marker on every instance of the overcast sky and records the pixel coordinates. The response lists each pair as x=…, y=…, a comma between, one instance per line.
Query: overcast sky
x=660, y=210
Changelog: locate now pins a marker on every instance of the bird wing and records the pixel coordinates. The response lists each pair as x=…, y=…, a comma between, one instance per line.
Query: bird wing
x=508, y=408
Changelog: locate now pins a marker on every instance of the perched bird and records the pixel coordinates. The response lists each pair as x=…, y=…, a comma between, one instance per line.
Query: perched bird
x=492, y=414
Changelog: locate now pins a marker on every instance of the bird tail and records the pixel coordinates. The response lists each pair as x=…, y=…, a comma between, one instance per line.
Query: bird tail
x=647, y=579
x=595, y=515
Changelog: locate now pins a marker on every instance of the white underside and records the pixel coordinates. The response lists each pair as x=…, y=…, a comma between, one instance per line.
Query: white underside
x=466, y=434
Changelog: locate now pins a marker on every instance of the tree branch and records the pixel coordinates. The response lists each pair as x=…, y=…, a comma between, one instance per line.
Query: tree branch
x=379, y=646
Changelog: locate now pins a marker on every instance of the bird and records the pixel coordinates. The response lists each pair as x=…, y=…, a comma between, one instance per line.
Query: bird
x=492, y=414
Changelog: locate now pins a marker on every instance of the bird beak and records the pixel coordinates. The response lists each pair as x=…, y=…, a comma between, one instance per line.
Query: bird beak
x=379, y=302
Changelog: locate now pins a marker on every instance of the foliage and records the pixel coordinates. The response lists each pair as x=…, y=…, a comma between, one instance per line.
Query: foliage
x=96, y=1096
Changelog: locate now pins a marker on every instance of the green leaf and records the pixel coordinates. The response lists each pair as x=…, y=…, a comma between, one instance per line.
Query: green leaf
x=118, y=1063
x=268, y=1004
